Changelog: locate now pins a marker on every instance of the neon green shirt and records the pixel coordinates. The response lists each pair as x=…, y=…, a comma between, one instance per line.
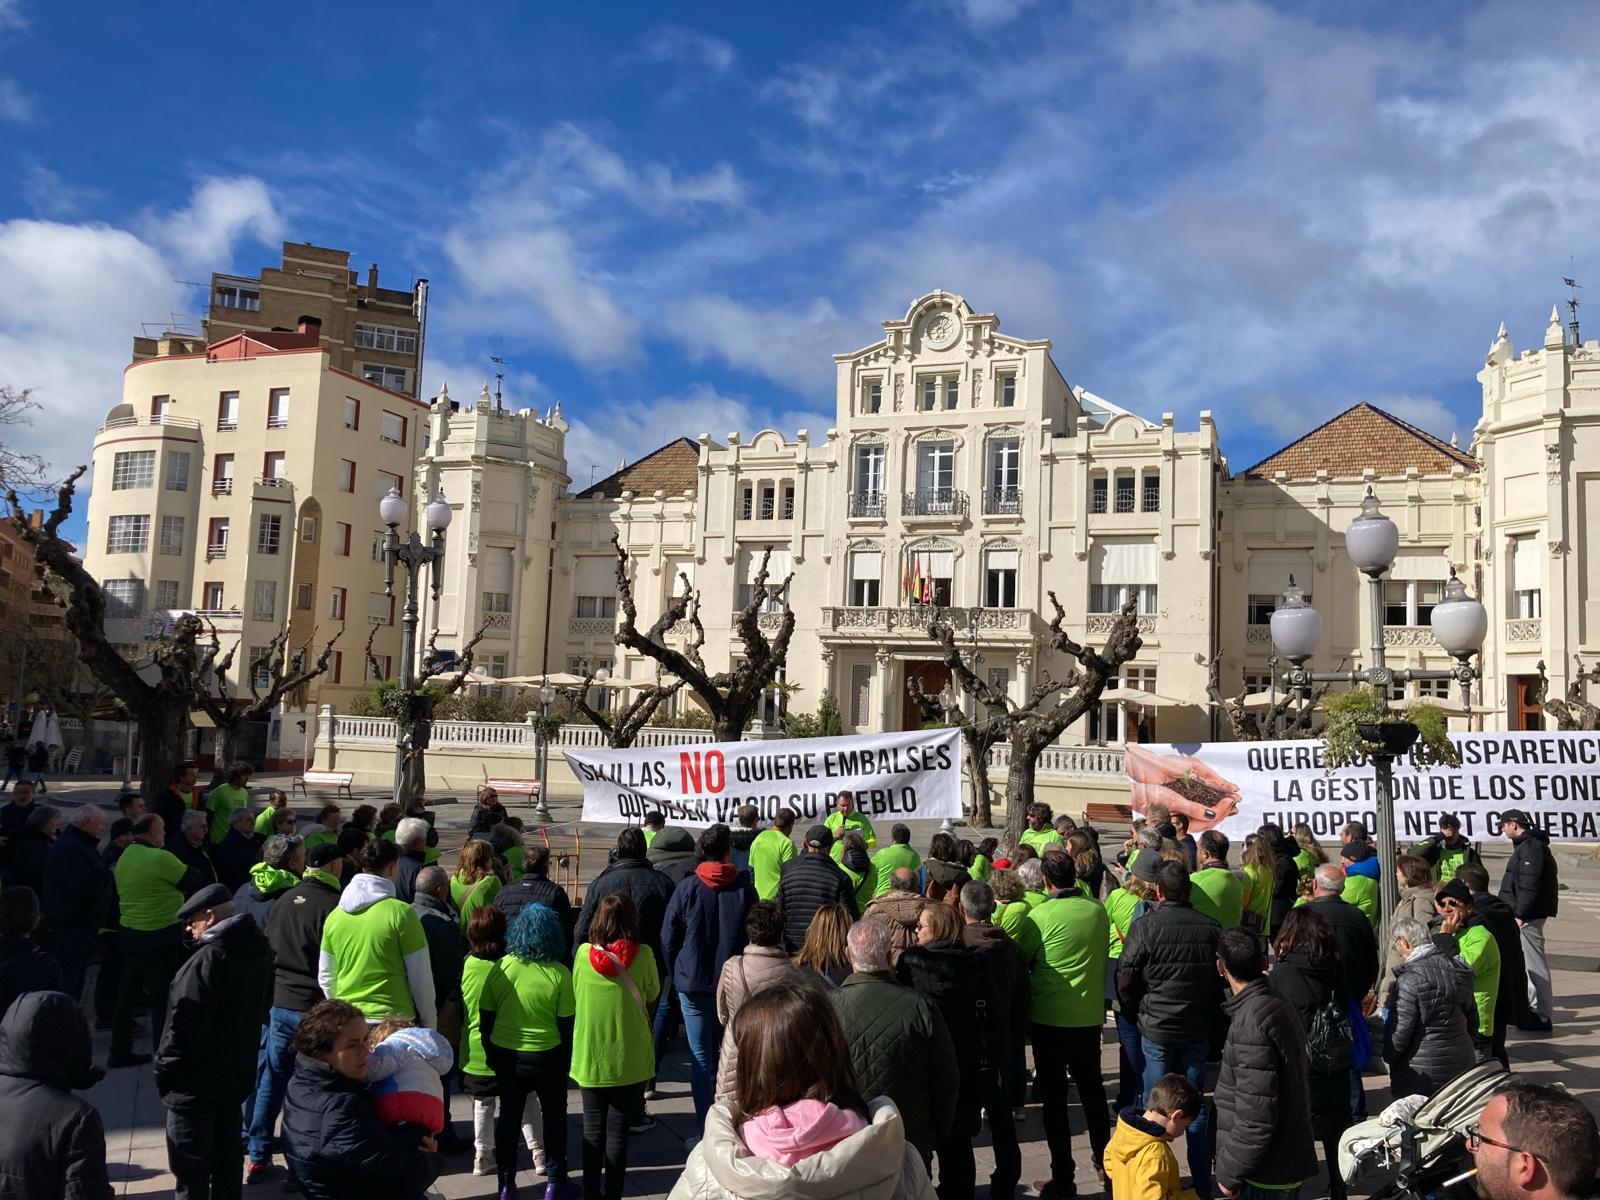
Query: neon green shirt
x=263, y=825
x=889, y=860
x=1362, y=891
x=611, y=1044
x=473, y=974
x=1218, y=893
x=1119, y=913
x=147, y=886
x=1065, y=940
x=221, y=801
x=769, y=850
x=1039, y=839
x=369, y=948
x=527, y=998
x=855, y=821
x=1034, y=899
x=1257, y=884
x=1479, y=951
x=470, y=901
x=980, y=868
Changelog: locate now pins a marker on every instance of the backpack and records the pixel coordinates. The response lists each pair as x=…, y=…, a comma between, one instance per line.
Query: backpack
x=1330, y=1041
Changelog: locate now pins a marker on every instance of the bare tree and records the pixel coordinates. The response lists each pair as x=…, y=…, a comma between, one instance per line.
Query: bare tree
x=1575, y=712
x=280, y=673
x=17, y=468
x=1032, y=726
x=732, y=698
x=1286, y=719
x=413, y=710
x=977, y=739
x=634, y=716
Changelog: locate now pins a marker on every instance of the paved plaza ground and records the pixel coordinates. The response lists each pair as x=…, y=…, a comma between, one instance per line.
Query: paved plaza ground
x=134, y=1116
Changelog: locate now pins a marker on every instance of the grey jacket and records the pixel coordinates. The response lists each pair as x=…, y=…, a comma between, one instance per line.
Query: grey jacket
x=1432, y=1014
x=742, y=976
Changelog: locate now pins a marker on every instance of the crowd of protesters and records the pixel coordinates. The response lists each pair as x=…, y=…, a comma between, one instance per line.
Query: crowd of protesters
x=855, y=1011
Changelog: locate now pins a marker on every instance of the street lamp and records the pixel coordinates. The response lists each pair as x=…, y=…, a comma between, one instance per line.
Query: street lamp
x=1372, y=541
x=949, y=704
x=541, y=810
x=413, y=555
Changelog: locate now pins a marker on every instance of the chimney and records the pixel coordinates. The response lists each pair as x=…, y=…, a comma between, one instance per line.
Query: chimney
x=372, y=279
x=311, y=325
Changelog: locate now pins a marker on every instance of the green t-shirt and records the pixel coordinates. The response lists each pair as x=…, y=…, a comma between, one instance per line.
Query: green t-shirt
x=1120, y=904
x=1065, y=939
x=862, y=884
x=611, y=1043
x=1305, y=864
x=222, y=800
x=1034, y=899
x=889, y=860
x=1257, y=882
x=1218, y=892
x=470, y=901
x=147, y=886
x=1040, y=838
x=369, y=949
x=854, y=821
x=314, y=835
x=649, y=835
x=1362, y=891
x=1479, y=951
x=474, y=972
x=769, y=850
x=527, y=999
x=513, y=857
x=980, y=868
x=263, y=825
x=1010, y=918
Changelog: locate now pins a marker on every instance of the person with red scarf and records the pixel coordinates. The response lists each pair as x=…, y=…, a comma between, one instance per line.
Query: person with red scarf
x=704, y=928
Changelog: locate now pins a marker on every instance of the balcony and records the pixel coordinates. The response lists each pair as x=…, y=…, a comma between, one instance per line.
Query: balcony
x=226, y=425
x=497, y=623
x=1525, y=630
x=277, y=422
x=216, y=550
x=868, y=504
x=168, y=422
x=912, y=622
x=1003, y=502
x=223, y=486
x=592, y=626
x=1101, y=624
x=1410, y=635
x=935, y=502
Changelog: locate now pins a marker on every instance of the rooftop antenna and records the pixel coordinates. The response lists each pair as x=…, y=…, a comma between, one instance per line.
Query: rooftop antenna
x=1572, y=307
x=498, y=376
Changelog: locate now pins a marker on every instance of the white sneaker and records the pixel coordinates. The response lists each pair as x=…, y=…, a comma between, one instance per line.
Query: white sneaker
x=538, y=1162
x=483, y=1163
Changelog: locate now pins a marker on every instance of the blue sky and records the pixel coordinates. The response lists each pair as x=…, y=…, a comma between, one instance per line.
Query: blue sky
x=669, y=217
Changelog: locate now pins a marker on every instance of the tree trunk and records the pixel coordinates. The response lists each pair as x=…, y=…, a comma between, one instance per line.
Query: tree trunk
x=1019, y=784
x=223, y=752
x=978, y=776
x=163, y=744
x=415, y=775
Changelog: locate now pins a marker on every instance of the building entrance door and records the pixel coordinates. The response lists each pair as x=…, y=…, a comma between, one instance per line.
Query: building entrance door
x=934, y=676
x=1524, y=713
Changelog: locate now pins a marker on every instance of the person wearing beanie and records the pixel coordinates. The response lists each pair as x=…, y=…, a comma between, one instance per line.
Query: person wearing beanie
x=1465, y=934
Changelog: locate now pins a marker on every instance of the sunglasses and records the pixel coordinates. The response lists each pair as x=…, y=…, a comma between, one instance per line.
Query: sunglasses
x=1475, y=1138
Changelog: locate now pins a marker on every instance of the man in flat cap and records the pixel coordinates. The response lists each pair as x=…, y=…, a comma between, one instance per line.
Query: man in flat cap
x=206, y=1062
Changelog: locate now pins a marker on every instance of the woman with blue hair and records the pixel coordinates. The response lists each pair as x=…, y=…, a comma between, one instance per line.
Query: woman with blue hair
x=525, y=1024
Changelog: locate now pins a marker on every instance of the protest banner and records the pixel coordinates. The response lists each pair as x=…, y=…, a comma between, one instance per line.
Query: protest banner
x=914, y=775
x=1235, y=786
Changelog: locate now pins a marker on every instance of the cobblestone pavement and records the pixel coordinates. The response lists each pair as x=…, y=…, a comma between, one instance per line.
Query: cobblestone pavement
x=134, y=1117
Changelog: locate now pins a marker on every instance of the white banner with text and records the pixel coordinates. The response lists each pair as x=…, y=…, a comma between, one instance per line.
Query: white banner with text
x=1235, y=786
x=893, y=776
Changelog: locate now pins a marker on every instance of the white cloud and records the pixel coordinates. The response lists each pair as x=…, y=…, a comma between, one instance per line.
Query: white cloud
x=218, y=213
x=49, y=195
x=11, y=16
x=569, y=154
x=791, y=346
x=676, y=45
x=16, y=105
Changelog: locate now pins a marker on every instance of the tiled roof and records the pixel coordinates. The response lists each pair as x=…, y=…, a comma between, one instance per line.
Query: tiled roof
x=1358, y=438
x=673, y=469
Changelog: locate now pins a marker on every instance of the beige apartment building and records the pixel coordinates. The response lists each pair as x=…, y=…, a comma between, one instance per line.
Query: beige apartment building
x=241, y=480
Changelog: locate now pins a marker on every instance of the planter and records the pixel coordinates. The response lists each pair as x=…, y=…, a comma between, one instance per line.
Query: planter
x=1388, y=738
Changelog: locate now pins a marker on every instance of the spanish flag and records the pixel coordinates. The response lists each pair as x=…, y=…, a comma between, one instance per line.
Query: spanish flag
x=905, y=582
x=916, y=579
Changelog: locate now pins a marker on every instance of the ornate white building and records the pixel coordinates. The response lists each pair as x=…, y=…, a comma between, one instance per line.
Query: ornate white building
x=965, y=472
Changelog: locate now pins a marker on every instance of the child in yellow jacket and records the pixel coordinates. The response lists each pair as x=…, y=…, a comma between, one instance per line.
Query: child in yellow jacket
x=1139, y=1158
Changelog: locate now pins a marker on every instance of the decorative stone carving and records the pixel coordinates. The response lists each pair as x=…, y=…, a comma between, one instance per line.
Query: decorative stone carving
x=1525, y=631
x=1102, y=623
x=941, y=331
x=1258, y=635
x=899, y=390
x=1408, y=635
x=477, y=493
x=1552, y=462
x=769, y=622
x=977, y=390
x=592, y=626
x=1557, y=549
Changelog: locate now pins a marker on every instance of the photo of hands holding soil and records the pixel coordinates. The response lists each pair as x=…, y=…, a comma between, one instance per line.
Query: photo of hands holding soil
x=1183, y=783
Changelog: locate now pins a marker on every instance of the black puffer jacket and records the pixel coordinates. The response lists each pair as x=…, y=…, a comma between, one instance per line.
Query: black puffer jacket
x=536, y=889
x=79, y=891
x=900, y=1048
x=806, y=883
x=951, y=975
x=648, y=887
x=1263, y=1111
x=218, y=1003
x=338, y=1148
x=1167, y=976
x=1428, y=1040
x=294, y=930
x=1285, y=880
x=1307, y=984
x=1530, y=884
x=1009, y=992
x=52, y=1144
x=1511, y=1001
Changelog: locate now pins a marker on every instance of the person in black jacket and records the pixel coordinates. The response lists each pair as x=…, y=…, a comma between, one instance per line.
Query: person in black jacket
x=411, y=836
x=283, y=859
x=206, y=1063
x=1264, y=1138
x=1167, y=984
x=1006, y=1008
x=79, y=897
x=807, y=882
x=1358, y=953
x=190, y=844
x=335, y=1144
x=29, y=847
x=1530, y=886
x=672, y=853
x=52, y=1143
x=1286, y=872
x=294, y=931
x=23, y=967
x=238, y=850
x=647, y=887
x=1511, y=1001
x=535, y=887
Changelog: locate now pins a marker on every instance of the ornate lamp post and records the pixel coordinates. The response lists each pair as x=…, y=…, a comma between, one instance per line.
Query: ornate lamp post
x=413, y=555
x=1459, y=624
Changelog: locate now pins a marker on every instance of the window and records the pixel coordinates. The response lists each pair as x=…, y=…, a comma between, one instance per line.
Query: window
x=308, y=530
x=233, y=295
x=222, y=474
x=378, y=666
x=166, y=595
x=872, y=398
x=341, y=539
x=747, y=502
x=336, y=607
x=1124, y=491
x=278, y=408
x=217, y=538
x=264, y=605
x=1151, y=497
x=211, y=597
x=1000, y=579
x=1257, y=681
x=866, y=578
x=160, y=409
x=352, y=413
x=779, y=565
x=1106, y=721
x=497, y=602
x=388, y=480
x=347, y=475
x=172, y=535
x=259, y=666
x=929, y=577
x=786, y=502
x=393, y=428
x=338, y=667
x=937, y=388
x=177, y=470
x=1003, y=493
x=1007, y=391
x=1110, y=597
x=393, y=378
x=1097, y=494
x=1123, y=569
x=1258, y=609
x=133, y=469
x=867, y=498
x=930, y=394
x=769, y=503
x=386, y=337
x=951, y=392
x=936, y=468
x=586, y=606
x=380, y=609
x=302, y=596
x=860, y=695
x=128, y=534
x=228, y=410
x=1394, y=601
x=124, y=597
x=269, y=533
x=272, y=466
x=1000, y=679
x=1408, y=593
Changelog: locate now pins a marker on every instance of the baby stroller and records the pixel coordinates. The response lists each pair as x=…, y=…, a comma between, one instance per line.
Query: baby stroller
x=1414, y=1149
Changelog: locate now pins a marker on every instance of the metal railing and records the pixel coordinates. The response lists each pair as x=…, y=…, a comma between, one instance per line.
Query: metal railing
x=867, y=504
x=1003, y=501
x=223, y=486
x=216, y=550
x=936, y=502
x=168, y=421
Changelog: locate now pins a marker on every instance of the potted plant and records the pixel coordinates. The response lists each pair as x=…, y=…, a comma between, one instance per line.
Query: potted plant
x=1360, y=723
